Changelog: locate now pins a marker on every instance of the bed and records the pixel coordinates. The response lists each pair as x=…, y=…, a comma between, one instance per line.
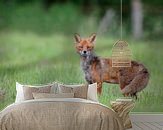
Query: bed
x=59, y=114
x=60, y=107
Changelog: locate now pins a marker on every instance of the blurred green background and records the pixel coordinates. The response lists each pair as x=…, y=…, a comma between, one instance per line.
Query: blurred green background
x=37, y=47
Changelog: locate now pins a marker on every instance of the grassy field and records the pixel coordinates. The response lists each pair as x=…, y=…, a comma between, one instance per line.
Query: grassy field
x=30, y=58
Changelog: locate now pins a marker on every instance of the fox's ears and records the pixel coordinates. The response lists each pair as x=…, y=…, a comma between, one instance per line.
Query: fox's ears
x=91, y=38
x=77, y=38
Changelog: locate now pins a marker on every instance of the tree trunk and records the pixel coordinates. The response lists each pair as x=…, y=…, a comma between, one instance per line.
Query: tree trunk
x=137, y=18
x=106, y=21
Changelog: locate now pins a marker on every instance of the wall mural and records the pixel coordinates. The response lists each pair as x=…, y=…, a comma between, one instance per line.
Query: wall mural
x=41, y=62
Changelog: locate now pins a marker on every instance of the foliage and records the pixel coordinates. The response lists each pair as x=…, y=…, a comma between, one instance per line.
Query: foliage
x=34, y=18
x=73, y=16
x=153, y=27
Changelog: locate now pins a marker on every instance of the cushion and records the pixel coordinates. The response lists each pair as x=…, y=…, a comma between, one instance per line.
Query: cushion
x=19, y=93
x=80, y=90
x=24, y=92
x=28, y=90
x=50, y=95
x=92, y=92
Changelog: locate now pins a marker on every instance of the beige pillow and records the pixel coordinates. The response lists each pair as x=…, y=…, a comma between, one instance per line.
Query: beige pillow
x=49, y=95
x=80, y=91
x=28, y=90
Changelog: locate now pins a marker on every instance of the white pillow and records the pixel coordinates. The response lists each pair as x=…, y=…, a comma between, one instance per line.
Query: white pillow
x=92, y=92
x=20, y=93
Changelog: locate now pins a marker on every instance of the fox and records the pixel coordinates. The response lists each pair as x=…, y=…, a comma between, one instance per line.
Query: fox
x=99, y=70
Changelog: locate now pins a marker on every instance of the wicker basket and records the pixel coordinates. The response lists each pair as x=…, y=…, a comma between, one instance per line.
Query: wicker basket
x=121, y=54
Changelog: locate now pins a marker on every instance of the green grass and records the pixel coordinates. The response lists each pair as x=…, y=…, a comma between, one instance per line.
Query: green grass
x=30, y=58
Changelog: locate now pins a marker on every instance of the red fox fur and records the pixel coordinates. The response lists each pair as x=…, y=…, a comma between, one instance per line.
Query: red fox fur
x=131, y=79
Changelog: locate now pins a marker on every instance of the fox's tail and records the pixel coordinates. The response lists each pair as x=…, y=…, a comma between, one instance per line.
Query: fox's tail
x=138, y=83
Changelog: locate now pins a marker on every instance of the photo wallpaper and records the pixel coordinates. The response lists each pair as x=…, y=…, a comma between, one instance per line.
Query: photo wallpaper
x=79, y=42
